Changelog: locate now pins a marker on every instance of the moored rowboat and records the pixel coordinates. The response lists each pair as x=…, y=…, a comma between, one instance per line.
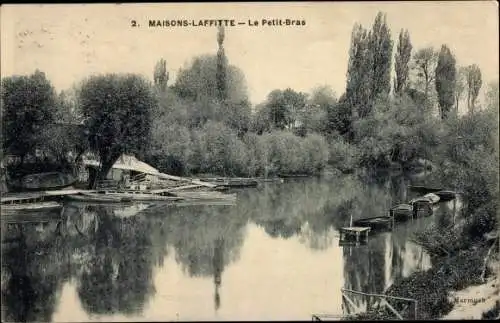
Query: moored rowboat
x=402, y=211
x=95, y=197
x=379, y=222
x=430, y=198
x=424, y=189
x=446, y=195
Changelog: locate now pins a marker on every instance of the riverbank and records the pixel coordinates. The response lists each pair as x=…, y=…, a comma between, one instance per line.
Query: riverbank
x=477, y=302
x=455, y=279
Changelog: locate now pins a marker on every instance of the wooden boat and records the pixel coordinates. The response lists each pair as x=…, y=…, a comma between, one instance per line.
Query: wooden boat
x=141, y=196
x=422, y=207
x=44, y=181
x=375, y=223
x=402, y=212
x=29, y=207
x=100, y=198
x=424, y=189
x=206, y=196
x=446, y=195
x=232, y=182
x=430, y=197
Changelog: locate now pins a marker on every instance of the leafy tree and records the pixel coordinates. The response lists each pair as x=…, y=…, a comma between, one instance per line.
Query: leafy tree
x=261, y=119
x=402, y=61
x=221, y=67
x=380, y=46
x=285, y=106
x=340, y=118
x=29, y=105
x=197, y=86
x=445, y=80
x=474, y=83
x=315, y=115
x=161, y=75
x=117, y=111
x=359, y=73
x=492, y=94
x=424, y=65
x=460, y=85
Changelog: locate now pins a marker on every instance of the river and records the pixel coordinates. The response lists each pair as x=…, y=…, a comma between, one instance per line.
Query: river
x=273, y=256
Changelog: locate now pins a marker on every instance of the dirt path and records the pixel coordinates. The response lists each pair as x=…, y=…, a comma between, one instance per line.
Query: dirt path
x=472, y=302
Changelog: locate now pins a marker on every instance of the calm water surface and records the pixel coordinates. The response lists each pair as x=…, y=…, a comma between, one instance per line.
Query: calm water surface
x=273, y=256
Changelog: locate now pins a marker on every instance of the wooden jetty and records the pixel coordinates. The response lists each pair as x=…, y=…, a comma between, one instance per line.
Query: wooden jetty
x=354, y=232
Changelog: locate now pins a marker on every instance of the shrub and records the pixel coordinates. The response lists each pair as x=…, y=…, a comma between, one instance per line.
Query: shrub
x=343, y=156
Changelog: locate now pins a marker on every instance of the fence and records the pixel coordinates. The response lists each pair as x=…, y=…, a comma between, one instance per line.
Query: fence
x=407, y=306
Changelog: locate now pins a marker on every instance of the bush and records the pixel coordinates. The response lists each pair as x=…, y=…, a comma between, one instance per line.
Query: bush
x=343, y=156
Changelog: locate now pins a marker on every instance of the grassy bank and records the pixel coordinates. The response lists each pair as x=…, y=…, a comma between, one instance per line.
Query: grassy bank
x=432, y=288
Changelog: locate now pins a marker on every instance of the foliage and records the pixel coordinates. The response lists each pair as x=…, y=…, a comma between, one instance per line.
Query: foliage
x=29, y=105
x=321, y=102
x=401, y=62
x=359, y=73
x=117, y=115
x=423, y=67
x=197, y=89
x=170, y=147
x=474, y=83
x=460, y=85
x=284, y=107
x=492, y=96
x=343, y=155
x=381, y=51
x=445, y=80
x=221, y=67
x=161, y=75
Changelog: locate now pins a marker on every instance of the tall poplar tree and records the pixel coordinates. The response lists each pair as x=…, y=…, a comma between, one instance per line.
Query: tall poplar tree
x=380, y=46
x=445, y=80
x=221, y=67
x=402, y=61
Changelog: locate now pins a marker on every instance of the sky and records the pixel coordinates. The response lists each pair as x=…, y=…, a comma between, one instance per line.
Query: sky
x=71, y=42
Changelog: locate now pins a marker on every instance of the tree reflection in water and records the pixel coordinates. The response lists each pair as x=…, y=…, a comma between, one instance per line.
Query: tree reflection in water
x=118, y=278
x=388, y=256
x=206, y=240
x=111, y=258
x=31, y=271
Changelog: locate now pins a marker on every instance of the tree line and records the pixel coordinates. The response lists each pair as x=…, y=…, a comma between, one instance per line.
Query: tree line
x=204, y=121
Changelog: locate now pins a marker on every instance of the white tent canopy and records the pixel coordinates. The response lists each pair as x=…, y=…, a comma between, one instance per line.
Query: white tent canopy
x=127, y=162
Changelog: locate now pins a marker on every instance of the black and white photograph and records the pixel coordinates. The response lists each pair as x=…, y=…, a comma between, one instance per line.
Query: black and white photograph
x=249, y=161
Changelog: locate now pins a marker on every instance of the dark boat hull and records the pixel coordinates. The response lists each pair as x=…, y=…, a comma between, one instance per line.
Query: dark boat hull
x=376, y=223
x=402, y=212
x=446, y=195
x=42, y=182
x=424, y=189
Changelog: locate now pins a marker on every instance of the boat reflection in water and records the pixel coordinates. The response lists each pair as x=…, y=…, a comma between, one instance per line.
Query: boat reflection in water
x=277, y=247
